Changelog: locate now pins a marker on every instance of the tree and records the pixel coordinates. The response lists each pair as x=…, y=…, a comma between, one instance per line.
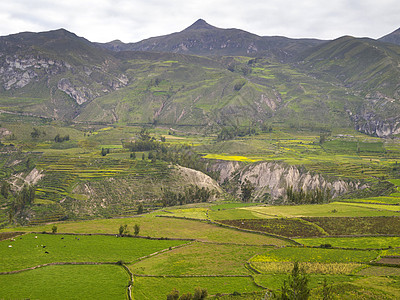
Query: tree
x=143, y=156
x=54, y=229
x=140, y=209
x=173, y=295
x=187, y=296
x=247, y=190
x=296, y=287
x=200, y=294
x=123, y=229
x=133, y=155
x=136, y=229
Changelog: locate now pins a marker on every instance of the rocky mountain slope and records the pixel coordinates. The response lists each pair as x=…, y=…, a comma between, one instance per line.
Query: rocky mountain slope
x=348, y=82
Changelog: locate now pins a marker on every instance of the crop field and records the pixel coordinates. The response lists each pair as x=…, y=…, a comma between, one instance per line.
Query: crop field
x=199, y=259
x=158, y=287
x=358, y=225
x=279, y=226
x=35, y=249
x=163, y=227
x=360, y=242
x=66, y=282
x=334, y=209
x=315, y=255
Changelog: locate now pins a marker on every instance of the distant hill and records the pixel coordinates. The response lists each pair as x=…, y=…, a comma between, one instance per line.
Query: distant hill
x=202, y=38
x=393, y=37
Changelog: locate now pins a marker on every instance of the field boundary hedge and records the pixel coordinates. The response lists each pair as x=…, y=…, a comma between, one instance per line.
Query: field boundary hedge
x=235, y=228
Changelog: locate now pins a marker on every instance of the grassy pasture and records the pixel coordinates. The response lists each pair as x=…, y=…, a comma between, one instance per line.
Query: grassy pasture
x=66, y=282
x=353, y=242
x=162, y=227
x=334, y=209
x=199, y=259
x=28, y=251
x=158, y=287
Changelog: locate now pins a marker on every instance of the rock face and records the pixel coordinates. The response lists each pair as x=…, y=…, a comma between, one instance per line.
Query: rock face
x=194, y=177
x=371, y=124
x=19, y=71
x=272, y=178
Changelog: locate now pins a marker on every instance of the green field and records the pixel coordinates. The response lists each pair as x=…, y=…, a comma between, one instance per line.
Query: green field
x=354, y=242
x=163, y=227
x=66, y=282
x=199, y=259
x=29, y=251
x=159, y=287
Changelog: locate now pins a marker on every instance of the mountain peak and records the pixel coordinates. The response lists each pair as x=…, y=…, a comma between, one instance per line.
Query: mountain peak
x=200, y=24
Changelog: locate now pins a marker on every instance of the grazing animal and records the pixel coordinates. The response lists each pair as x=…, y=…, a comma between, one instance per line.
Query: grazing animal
x=46, y=252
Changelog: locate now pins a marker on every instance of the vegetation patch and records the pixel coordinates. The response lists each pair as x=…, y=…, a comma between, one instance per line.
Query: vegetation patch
x=315, y=255
x=199, y=259
x=35, y=249
x=66, y=282
x=378, y=242
x=282, y=226
x=307, y=267
x=358, y=225
x=159, y=287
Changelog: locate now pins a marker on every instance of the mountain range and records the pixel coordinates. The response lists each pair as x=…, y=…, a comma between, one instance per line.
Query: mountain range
x=205, y=77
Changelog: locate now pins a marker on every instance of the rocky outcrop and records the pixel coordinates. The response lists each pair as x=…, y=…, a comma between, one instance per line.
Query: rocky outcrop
x=194, y=177
x=371, y=124
x=273, y=178
x=79, y=94
x=17, y=71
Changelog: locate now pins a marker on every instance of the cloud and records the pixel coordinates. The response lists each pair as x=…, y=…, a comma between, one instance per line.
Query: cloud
x=134, y=20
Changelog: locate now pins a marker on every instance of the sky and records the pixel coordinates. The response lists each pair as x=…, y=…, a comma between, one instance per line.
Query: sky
x=135, y=20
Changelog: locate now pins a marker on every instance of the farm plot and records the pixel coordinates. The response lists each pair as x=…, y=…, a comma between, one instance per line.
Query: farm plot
x=302, y=254
x=343, y=286
x=66, y=282
x=334, y=209
x=199, y=259
x=358, y=225
x=164, y=227
x=353, y=242
x=31, y=250
x=281, y=226
x=158, y=287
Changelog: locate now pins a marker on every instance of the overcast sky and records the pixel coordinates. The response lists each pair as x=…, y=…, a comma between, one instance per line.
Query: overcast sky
x=134, y=20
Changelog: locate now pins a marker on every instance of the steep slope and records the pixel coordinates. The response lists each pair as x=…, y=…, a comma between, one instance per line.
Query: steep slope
x=366, y=68
x=53, y=73
x=175, y=89
x=393, y=37
x=202, y=38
